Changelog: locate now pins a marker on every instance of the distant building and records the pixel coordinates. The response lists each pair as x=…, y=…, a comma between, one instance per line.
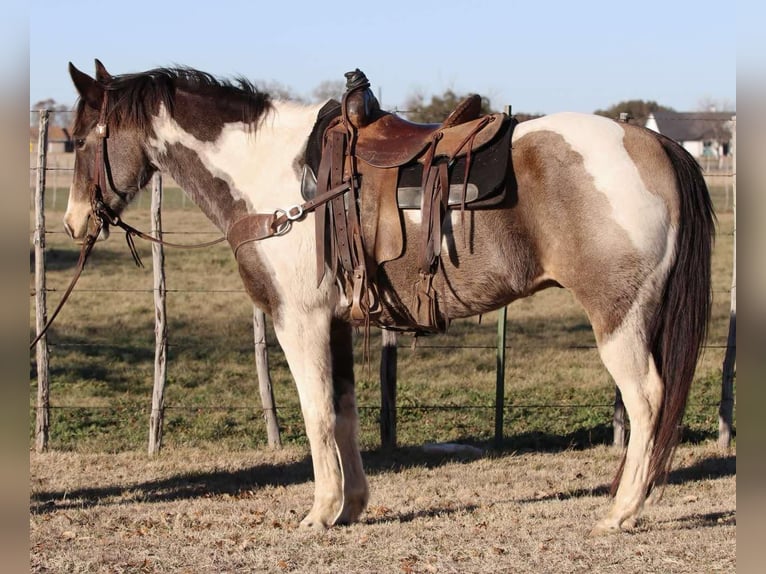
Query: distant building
x=59, y=139
x=703, y=134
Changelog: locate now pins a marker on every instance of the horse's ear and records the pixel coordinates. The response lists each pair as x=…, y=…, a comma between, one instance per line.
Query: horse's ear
x=89, y=89
x=101, y=74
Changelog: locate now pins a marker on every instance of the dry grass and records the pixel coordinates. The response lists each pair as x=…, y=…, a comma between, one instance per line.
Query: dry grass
x=200, y=511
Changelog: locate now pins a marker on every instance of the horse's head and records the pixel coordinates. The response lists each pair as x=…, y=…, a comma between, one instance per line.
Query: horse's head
x=111, y=163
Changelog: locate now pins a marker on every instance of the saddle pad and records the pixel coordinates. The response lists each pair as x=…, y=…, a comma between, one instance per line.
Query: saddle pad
x=486, y=178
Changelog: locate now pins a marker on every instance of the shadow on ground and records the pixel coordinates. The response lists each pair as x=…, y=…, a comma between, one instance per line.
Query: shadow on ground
x=186, y=485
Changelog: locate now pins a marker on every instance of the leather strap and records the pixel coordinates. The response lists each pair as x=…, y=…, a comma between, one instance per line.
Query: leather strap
x=258, y=226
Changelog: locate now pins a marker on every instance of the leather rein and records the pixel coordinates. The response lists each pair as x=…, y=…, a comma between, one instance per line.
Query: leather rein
x=250, y=228
x=103, y=215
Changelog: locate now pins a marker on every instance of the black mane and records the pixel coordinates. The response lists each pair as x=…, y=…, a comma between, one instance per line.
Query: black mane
x=134, y=98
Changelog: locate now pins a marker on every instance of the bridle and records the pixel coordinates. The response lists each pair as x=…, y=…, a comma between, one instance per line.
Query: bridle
x=103, y=215
x=251, y=227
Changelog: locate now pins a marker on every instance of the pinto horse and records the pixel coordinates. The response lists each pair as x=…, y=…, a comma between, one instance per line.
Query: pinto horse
x=615, y=213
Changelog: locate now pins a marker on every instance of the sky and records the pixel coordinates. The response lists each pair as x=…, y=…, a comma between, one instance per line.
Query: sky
x=540, y=56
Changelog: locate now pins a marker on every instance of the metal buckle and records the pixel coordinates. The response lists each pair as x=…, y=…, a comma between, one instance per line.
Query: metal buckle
x=285, y=226
x=101, y=130
x=294, y=213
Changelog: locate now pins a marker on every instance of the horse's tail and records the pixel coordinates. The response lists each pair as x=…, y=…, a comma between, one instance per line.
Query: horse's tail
x=679, y=326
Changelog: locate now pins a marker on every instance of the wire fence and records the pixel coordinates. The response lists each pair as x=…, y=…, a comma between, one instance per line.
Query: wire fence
x=62, y=169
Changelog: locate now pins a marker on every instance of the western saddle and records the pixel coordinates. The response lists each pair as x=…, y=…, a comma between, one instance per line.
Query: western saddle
x=380, y=156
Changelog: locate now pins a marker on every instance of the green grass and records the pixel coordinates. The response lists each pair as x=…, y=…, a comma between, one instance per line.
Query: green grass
x=558, y=394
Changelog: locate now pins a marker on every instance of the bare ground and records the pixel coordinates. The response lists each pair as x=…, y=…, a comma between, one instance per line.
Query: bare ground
x=201, y=511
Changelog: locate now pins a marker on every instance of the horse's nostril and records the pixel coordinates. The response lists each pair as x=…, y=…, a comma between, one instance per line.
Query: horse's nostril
x=69, y=231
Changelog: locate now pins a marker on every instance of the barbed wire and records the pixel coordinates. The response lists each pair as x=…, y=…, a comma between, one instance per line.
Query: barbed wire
x=507, y=406
x=404, y=346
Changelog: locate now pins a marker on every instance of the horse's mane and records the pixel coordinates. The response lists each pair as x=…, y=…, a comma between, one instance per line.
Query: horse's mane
x=134, y=98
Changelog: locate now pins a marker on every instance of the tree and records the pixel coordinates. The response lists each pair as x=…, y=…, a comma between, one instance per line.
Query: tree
x=523, y=117
x=329, y=89
x=60, y=116
x=437, y=110
x=279, y=91
x=638, y=110
x=709, y=104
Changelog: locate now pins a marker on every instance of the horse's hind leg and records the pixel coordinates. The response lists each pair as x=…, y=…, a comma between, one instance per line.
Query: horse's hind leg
x=626, y=354
x=355, y=489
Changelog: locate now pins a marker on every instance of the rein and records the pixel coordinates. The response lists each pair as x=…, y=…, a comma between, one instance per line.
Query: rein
x=103, y=215
x=252, y=227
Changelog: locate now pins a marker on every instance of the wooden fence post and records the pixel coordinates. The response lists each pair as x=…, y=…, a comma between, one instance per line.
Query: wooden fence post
x=264, y=378
x=160, y=324
x=502, y=315
x=726, y=408
x=42, y=422
x=388, y=364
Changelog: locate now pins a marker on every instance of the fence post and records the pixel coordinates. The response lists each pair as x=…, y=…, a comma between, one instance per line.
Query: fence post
x=160, y=324
x=388, y=364
x=42, y=422
x=264, y=378
x=502, y=315
x=726, y=408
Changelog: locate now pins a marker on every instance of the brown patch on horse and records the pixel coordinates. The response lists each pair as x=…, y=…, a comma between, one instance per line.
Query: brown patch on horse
x=488, y=262
x=210, y=193
x=214, y=197
x=255, y=277
x=577, y=240
x=654, y=166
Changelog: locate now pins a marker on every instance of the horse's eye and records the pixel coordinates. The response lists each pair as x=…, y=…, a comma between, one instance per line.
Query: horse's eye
x=79, y=143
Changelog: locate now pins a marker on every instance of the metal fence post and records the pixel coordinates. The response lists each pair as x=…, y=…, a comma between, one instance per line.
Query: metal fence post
x=502, y=315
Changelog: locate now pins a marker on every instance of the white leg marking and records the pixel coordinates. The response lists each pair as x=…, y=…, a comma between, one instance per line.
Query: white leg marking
x=627, y=356
x=305, y=339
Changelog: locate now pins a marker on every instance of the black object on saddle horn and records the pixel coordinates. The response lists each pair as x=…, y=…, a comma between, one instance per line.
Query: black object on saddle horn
x=359, y=103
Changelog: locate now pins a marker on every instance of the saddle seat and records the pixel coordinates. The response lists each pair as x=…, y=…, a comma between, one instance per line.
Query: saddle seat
x=386, y=140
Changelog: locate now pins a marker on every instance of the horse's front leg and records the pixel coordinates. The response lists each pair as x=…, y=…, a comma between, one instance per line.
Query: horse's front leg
x=329, y=411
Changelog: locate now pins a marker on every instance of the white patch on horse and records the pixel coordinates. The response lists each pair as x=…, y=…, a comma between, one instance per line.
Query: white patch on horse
x=600, y=143
x=256, y=163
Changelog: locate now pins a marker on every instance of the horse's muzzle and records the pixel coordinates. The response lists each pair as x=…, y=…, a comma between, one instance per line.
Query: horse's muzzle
x=89, y=228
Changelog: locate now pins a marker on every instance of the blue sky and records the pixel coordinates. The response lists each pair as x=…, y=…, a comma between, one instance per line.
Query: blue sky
x=539, y=55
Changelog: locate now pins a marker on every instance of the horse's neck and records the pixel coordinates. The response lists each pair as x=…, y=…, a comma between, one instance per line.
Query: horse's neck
x=213, y=195
x=238, y=169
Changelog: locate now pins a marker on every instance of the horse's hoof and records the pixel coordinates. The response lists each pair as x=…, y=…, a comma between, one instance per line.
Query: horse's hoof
x=604, y=528
x=629, y=523
x=310, y=523
x=351, y=512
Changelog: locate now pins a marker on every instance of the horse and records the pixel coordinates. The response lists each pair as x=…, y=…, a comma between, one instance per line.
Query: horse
x=617, y=214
